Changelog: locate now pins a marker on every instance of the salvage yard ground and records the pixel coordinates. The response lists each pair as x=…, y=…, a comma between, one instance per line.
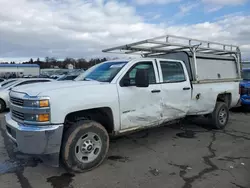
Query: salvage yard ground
x=153, y=158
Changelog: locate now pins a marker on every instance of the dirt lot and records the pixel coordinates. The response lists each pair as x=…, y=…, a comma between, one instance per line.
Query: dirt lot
x=152, y=158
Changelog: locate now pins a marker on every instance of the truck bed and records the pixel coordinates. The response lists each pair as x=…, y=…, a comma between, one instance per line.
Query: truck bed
x=204, y=96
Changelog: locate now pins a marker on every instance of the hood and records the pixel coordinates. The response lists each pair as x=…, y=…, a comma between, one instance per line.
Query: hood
x=37, y=88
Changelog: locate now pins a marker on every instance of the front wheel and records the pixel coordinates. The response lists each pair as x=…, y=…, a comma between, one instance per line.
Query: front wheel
x=2, y=106
x=85, y=146
x=220, y=115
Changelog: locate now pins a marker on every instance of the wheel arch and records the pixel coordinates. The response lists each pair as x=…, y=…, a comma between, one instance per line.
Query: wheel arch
x=102, y=115
x=225, y=97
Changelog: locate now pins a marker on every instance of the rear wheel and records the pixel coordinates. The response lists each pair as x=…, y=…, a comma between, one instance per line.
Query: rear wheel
x=2, y=106
x=85, y=146
x=220, y=115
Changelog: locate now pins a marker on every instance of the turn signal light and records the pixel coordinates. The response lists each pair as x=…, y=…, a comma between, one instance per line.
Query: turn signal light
x=43, y=117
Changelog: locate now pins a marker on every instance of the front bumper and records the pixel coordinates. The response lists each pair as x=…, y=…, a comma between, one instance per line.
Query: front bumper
x=33, y=139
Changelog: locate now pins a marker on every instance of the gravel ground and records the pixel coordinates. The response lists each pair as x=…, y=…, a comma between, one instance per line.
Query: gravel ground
x=158, y=157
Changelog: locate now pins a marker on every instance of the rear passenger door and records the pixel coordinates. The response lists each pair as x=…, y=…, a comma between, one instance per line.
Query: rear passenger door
x=175, y=89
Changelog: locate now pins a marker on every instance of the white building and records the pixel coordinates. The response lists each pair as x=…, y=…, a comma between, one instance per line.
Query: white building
x=19, y=70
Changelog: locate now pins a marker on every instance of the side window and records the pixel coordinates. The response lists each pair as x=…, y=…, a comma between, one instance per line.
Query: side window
x=172, y=71
x=142, y=65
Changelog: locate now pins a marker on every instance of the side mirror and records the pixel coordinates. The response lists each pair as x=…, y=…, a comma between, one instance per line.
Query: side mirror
x=126, y=81
x=141, y=78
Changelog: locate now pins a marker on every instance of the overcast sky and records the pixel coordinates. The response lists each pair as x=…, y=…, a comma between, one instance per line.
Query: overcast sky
x=82, y=28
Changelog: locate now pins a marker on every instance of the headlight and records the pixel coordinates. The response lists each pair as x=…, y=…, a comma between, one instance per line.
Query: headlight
x=37, y=118
x=36, y=103
x=44, y=103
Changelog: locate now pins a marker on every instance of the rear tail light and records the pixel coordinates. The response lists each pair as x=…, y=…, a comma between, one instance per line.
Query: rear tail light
x=242, y=90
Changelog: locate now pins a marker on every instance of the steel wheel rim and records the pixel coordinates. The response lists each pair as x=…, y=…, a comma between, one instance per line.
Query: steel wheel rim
x=223, y=116
x=88, y=147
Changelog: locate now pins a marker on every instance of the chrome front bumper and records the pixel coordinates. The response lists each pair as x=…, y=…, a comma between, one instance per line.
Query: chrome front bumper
x=33, y=139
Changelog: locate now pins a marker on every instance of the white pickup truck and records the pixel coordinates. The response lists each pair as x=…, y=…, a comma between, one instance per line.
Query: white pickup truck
x=72, y=121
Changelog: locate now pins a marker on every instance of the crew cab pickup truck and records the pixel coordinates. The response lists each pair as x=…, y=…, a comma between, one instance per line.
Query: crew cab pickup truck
x=72, y=121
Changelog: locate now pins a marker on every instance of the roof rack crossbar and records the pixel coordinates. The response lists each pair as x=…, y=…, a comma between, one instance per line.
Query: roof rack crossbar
x=163, y=44
x=190, y=40
x=191, y=46
x=222, y=53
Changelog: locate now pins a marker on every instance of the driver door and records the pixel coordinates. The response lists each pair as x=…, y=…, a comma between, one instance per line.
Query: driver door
x=139, y=106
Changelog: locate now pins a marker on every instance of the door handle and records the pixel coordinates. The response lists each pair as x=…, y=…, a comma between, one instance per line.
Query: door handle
x=156, y=91
x=186, y=88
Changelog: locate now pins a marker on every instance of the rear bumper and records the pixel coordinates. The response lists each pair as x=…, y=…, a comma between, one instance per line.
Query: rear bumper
x=32, y=139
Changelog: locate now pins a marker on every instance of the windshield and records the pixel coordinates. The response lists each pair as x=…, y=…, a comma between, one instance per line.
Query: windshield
x=104, y=72
x=246, y=75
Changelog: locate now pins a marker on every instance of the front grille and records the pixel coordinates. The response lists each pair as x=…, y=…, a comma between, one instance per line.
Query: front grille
x=17, y=115
x=16, y=101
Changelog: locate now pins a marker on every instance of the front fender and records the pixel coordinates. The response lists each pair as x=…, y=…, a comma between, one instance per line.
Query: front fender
x=77, y=99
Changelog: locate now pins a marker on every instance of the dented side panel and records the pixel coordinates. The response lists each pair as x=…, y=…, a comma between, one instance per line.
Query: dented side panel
x=175, y=102
x=204, y=96
x=139, y=107
x=176, y=93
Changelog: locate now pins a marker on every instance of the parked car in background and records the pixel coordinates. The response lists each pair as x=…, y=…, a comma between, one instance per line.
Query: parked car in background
x=66, y=77
x=70, y=76
x=27, y=76
x=59, y=73
x=4, y=90
x=245, y=88
x=5, y=82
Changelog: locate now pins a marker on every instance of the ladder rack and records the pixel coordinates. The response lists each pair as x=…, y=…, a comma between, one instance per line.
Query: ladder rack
x=170, y=43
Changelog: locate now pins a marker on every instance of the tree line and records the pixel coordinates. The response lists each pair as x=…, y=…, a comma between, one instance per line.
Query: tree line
x=51, y=62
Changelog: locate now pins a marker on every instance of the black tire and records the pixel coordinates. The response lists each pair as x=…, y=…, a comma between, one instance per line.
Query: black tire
x=2, y=106
x=70, y=139
x=215, y=116
x=246, y=108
